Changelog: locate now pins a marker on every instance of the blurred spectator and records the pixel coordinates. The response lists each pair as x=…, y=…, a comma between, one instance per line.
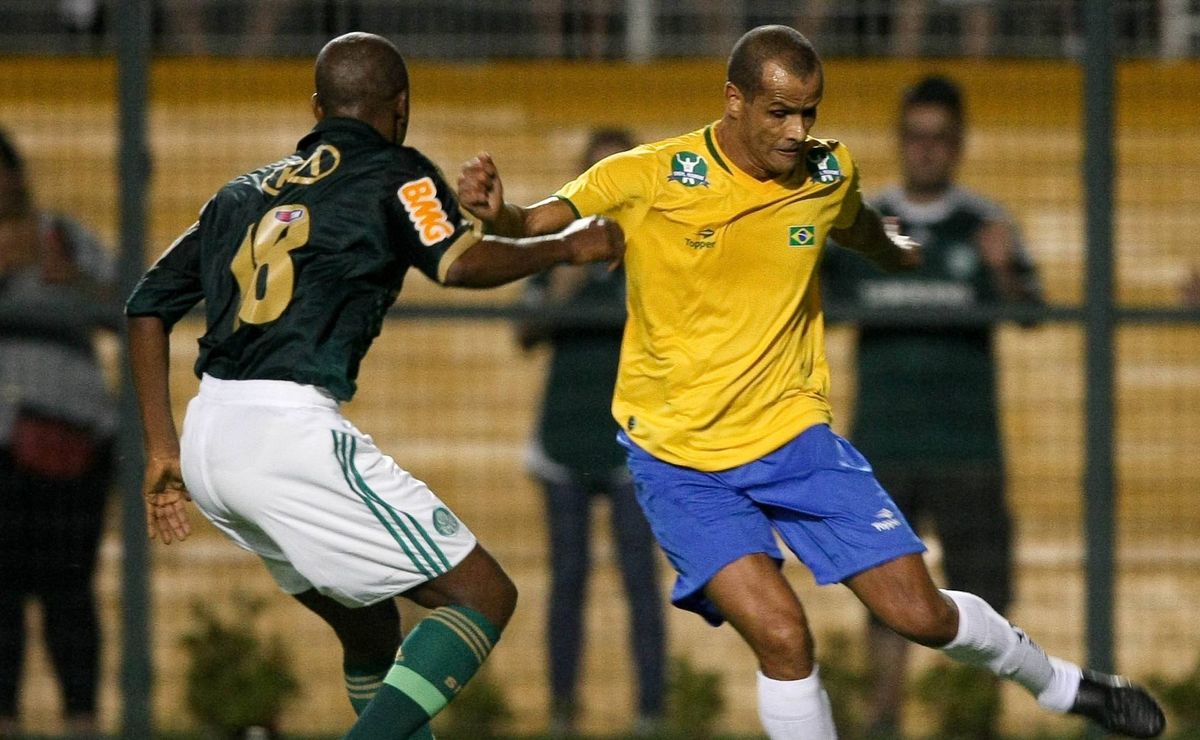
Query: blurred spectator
x=583, y=29
x=926, y=413
x=575, y=457
x=976, y=22
x=57, y=419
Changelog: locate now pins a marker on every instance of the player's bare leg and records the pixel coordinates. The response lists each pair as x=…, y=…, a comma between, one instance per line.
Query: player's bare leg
x=902, y=595
x=752, y=594
x=477, y=582
x=370, y=637
x=471, y=604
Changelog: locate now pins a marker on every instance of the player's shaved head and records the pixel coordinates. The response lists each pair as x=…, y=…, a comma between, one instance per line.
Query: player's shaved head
x=359, y=75
x=783, y=45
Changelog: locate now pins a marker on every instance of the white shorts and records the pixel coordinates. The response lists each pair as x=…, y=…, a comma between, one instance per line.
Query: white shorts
x=276, y=467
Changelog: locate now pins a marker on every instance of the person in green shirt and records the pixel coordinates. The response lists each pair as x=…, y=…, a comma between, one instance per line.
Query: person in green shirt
x=297, y=262
x=575, y=457
x=926, y=413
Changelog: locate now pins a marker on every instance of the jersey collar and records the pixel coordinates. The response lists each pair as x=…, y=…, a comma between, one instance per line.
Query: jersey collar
x=348, y=125
x=743, y=177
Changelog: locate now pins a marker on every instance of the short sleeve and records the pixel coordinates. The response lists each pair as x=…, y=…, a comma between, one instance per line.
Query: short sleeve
x=171, y=287
x=430, y=223
x=611, y=184
x=852, y=199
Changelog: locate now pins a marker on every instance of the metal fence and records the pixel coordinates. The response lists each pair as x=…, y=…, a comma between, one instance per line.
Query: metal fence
x=606, y=29
x=1084, y=130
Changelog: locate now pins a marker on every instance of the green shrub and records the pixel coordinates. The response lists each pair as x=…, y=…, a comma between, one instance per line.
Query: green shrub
x=964, y=700
x=1181, y=698
x=235, y=680
x=695, y=701
x=846, y=683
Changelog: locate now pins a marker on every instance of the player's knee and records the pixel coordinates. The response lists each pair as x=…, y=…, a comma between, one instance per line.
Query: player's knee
x=496, y=600
x=784, y=647
x=932, y=622
x=506, y=599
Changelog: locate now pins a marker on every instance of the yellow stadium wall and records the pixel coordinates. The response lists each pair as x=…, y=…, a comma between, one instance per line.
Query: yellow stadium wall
x=454, y=401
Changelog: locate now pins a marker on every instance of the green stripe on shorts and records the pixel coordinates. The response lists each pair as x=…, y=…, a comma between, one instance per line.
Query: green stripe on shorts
x=341, y=442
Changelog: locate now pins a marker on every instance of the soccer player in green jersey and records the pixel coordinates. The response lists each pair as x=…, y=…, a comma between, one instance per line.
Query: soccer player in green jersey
x=297, y=263
x=722, y=393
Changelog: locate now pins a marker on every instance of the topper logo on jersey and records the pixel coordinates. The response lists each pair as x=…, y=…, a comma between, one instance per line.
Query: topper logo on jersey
x=823, y=166
x=704, y=242
x=689, y=169
x=289, y=216
x=425, y=210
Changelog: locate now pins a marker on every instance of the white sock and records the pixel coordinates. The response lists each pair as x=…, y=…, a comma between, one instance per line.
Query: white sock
x=988, y=640
x=795, y=710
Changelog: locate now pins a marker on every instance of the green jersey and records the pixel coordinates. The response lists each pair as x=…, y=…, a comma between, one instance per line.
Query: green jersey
x=298, y=261
x=576, y=433
x=927, y=394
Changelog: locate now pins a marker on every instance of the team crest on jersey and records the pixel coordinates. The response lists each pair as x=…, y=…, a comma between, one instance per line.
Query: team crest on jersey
x=444, y=522
x=802, y=236
x=288, y=215
x=425, y=210
x=688, y=168
x=823, y=166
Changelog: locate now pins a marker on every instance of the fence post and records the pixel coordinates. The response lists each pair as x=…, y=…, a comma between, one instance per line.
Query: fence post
x=1099, y=328
x=133, y=163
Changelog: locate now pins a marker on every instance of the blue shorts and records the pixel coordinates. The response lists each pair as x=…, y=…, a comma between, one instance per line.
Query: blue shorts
x=816, y=491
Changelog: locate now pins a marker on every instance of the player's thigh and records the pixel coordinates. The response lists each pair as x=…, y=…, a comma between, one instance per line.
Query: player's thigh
x=902, y=595
x=478, y=582
x=824, y=500
x=755, y=597
x=702, y=522
x=370, y=635
x=308, y=492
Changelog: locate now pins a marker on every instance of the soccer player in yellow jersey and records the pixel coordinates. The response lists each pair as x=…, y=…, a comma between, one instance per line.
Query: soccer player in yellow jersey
x=723, y=386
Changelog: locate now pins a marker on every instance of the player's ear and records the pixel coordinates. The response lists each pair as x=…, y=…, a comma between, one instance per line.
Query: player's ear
x=317, y=109
x=735, y=102
x=400, y=118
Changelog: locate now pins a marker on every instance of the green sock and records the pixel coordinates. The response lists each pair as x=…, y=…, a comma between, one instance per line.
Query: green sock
x=436, y=660
x=362, y=685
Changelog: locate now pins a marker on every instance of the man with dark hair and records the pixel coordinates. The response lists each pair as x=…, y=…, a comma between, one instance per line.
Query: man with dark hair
x=297, y=262
x=722, y=393
x=939, y=454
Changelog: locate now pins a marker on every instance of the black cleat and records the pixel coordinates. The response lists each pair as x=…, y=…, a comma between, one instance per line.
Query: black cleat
x=1118, y=706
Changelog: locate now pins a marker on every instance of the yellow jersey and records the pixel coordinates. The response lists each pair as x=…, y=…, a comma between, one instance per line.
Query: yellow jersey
x=723, y=355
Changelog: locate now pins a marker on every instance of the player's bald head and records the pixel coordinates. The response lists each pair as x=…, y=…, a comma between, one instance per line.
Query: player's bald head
x=783, y=45
x=359, y=74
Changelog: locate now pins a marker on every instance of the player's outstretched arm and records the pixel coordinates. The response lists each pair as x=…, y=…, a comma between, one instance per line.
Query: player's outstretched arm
x=163, y=490
x=481, y=192
x=496, y=260
x=879, y=240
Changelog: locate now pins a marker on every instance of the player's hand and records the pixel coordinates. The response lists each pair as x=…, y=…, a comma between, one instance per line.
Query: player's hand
x=908, y=252
x=595, y=239
x=480, y=190
x=166, y=498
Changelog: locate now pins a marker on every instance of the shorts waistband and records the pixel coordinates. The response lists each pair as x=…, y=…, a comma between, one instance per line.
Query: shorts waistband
x=265, y=392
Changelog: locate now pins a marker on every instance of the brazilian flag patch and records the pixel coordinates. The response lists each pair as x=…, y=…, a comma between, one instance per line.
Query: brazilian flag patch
x=802, y=236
